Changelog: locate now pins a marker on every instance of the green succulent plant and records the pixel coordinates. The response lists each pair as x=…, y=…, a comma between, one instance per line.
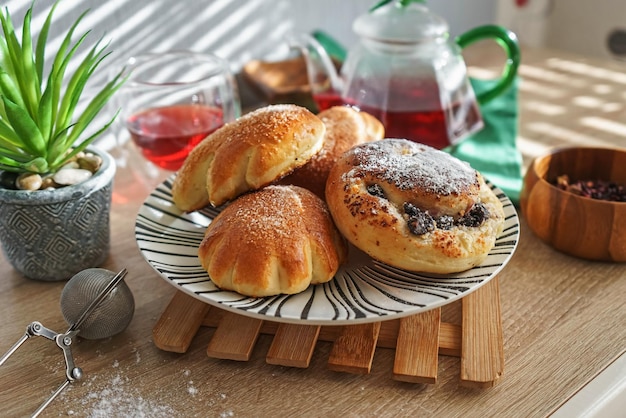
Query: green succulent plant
x=40, y=129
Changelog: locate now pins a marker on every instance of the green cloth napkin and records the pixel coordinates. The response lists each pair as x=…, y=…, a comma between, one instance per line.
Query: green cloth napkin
x=493, y=150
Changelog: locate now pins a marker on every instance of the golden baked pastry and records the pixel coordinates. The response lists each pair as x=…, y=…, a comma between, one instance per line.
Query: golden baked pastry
x=247, y=154
x=345, y=128
x=279, y=239
x=413, y=207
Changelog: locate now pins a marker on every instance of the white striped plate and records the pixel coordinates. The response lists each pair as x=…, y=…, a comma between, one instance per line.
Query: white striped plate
x=364, y=290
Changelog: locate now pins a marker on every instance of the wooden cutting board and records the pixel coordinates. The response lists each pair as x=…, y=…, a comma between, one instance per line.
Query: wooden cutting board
x=418, y=340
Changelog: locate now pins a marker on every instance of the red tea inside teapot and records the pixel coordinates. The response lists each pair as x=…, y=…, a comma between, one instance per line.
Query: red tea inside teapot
x=427, y=125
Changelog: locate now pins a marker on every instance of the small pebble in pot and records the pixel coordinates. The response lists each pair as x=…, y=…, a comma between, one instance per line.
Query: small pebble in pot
x=48, y=183
x=28, y=181
x=70, y=164
x=68, y=176
x=89, y=162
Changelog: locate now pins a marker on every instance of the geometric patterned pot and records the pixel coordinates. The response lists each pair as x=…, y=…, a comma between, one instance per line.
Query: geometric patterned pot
x=53, y=234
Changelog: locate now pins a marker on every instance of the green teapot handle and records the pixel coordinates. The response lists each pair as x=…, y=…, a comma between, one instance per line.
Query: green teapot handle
x=508, y=41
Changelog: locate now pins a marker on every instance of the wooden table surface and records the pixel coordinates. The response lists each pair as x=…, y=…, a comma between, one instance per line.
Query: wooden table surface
x=563, y=318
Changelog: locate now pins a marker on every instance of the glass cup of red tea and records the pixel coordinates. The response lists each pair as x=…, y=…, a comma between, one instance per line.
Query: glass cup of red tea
x=173, y=100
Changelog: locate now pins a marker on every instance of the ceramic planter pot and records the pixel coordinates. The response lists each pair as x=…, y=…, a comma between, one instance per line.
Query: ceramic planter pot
x=53, y=234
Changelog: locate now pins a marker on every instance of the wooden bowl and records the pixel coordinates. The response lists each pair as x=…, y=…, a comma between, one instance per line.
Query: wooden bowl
x=580, y=226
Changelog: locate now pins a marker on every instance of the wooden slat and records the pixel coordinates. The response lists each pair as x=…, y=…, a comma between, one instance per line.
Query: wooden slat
x=353, y=351
x=293, y=345
x=482, y=353
x=179, y=323
x=450, y=339
x=234, y=337
x=417, y=349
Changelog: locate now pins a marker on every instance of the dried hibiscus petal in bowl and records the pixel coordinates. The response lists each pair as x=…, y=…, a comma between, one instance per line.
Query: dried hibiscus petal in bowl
x=594, y=189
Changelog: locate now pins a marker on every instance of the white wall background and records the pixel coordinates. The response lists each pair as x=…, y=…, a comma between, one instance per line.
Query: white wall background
x=585, y=26
x=580, y=26
x=238, y=30
x=241, y=30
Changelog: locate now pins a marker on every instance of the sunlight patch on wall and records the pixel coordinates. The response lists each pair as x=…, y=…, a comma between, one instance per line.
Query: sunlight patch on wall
x=605, y=125
x=482, y=73
x=543, y=108
x=602, y=88
x=226, y=29
x=63, y=17
x=142, y=37
x=240, y=36
x=541, y=89
x=531, y=148
x=590, y=102
x=587, y=70
x=612, y=107
x=551, y=76
x=595, y=103
x=206, y=19
x=556, y=134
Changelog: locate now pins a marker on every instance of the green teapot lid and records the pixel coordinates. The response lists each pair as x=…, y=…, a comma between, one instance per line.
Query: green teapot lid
x=400, y=21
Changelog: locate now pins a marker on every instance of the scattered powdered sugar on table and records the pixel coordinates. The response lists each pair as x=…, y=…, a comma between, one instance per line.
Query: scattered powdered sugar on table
x=118, y=395
x=191, y=389
x=137, y=356
x=120, y=399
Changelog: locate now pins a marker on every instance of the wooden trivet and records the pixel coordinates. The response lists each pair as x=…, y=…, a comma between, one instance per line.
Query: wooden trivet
x=418, y=340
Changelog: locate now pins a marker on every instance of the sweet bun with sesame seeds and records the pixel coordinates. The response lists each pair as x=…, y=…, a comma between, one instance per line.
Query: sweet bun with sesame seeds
x=413, y=207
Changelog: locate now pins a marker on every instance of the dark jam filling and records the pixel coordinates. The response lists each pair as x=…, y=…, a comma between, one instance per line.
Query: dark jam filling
x=475, y=217
x=421, y=222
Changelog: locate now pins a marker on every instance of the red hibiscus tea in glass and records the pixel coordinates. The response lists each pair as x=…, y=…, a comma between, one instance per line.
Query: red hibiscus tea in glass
x=166, y=135
x=173, y=100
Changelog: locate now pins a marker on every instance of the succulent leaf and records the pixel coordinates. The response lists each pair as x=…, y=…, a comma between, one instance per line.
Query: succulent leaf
x=75, y=87
x=25, y=127
x=92, y=110
x=44, y=112
x=42, y=39
x=31, y=84
x=9, y=89
x=37, y=165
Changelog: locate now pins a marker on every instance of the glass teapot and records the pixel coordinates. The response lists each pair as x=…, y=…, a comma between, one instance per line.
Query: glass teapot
x=408, y=73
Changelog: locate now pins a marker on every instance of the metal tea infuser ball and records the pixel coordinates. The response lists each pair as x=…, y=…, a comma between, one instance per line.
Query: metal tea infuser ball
x=97, y=304
x=114, y=312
